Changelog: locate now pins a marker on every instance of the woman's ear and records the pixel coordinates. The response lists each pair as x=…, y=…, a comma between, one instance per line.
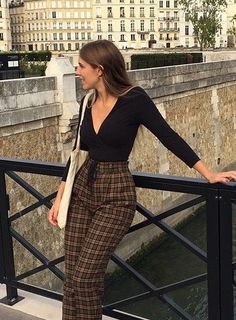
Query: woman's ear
x=100, y=70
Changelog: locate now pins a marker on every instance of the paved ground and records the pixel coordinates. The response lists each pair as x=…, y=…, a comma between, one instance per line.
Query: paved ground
x=6, y=313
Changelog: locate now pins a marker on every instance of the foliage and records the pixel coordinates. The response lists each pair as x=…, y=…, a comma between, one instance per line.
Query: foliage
x=34, y=63
x=141, y=61
x=205, y=17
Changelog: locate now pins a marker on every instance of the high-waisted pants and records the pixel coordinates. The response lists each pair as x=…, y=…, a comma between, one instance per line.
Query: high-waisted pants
x=101, y=211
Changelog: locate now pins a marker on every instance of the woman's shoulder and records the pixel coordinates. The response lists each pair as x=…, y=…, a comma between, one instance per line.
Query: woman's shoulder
x=136, y=91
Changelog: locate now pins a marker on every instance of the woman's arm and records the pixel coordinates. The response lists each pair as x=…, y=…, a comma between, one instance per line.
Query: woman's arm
x=214, y=177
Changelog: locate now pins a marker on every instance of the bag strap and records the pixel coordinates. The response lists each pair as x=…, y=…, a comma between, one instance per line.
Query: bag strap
x=81, y=117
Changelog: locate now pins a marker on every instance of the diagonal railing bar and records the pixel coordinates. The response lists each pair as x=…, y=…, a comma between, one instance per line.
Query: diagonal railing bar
x=176, y=308
x=181, y=207
x=31, y=272
x=135, y=274
x=40, y=268
x=161, y=290
x=29, y=188
x=173, y=233
x=168, y=213
x=30, y=208
x=36, y=253
x=148, y=285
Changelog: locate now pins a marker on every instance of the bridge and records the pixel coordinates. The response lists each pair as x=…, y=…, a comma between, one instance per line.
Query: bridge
x=219, y=278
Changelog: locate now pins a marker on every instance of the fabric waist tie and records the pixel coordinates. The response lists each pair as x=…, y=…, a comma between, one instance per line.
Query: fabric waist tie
x=92, y=172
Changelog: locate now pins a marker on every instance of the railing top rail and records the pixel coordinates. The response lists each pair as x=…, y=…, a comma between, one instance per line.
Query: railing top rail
x=32, y=166
x=144, y=180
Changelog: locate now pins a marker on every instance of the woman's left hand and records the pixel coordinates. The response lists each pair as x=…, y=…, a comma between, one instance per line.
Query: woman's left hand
x=223, y=177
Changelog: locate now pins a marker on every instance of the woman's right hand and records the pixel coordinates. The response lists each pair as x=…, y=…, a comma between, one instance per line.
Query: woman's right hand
x=53, y=213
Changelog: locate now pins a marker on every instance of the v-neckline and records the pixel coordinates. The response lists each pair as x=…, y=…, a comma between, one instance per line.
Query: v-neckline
x=104, y=120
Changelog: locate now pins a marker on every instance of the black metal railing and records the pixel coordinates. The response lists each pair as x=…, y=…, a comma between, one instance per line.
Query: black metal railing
x=217, y=197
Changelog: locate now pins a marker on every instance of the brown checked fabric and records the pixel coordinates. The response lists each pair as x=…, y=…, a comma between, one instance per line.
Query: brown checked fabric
x=101, y=210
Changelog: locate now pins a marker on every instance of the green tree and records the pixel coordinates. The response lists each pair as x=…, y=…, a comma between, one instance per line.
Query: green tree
x=232, y=30
x=205, y=18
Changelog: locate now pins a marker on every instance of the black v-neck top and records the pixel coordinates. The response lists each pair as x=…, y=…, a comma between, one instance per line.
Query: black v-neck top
x=117, y=133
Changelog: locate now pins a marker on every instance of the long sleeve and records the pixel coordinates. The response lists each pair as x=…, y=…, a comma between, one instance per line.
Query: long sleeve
x=148, y=115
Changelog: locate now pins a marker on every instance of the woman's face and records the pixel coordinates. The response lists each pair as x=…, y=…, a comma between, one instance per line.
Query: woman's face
x=90, y=76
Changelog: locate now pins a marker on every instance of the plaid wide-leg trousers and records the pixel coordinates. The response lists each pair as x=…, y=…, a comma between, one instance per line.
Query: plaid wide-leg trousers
x=101, y=211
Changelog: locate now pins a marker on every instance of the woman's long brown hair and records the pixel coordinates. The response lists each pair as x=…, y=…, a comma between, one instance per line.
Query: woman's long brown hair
x=104, y=54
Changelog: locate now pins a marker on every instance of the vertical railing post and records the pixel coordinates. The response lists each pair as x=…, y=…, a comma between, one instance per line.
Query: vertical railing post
x=213, y=255
x=226, y=269
x=8, y=267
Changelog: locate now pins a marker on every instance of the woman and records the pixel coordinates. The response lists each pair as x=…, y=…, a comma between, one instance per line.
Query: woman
x=103, y=198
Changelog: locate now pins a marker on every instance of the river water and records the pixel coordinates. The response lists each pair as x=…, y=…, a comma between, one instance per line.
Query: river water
x=163, y=264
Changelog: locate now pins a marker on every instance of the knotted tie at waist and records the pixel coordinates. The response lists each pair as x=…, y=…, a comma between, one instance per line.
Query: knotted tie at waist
x=92, y=172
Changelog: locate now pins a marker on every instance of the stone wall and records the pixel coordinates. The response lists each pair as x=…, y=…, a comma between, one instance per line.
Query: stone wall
x=38, y=120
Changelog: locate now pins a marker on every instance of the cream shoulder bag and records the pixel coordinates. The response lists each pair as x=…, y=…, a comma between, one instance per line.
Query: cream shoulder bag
x=77, y=158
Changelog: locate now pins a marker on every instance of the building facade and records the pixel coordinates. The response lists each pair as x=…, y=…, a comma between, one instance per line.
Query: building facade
x=5, y=32
x=65, y=25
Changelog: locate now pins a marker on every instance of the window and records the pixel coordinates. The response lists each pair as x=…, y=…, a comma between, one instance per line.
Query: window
x=82, y=35
x=98, y=12
x=152, y=25
x=175, y=3
x=69, y=46
x=142, y=12
x=68, y=25
x=132, y=26
x=99, y=26
x=76, y=25
x=122, y=37
x=60, y=25
x=77, y=46
x=141, y=25
x=151, y=11
x=99, y=37
x=161, y=36
x=1, y=36
x=109, y=26
x=142, y=37
x=61, y=46
x=186, y=17
x=109, y=12
x=89, y=35
x=152, y=37
x=187, y=30
x=76, y=35
x=122, y=25
x=0, y=14
x=54, y=36
x=167, y=4
x=132, y=37
x=54, y=14
x=161, y=4
x=68, y=36
x=110, y=37
x=122, y=12
x=131, y=12
x=61, y=36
